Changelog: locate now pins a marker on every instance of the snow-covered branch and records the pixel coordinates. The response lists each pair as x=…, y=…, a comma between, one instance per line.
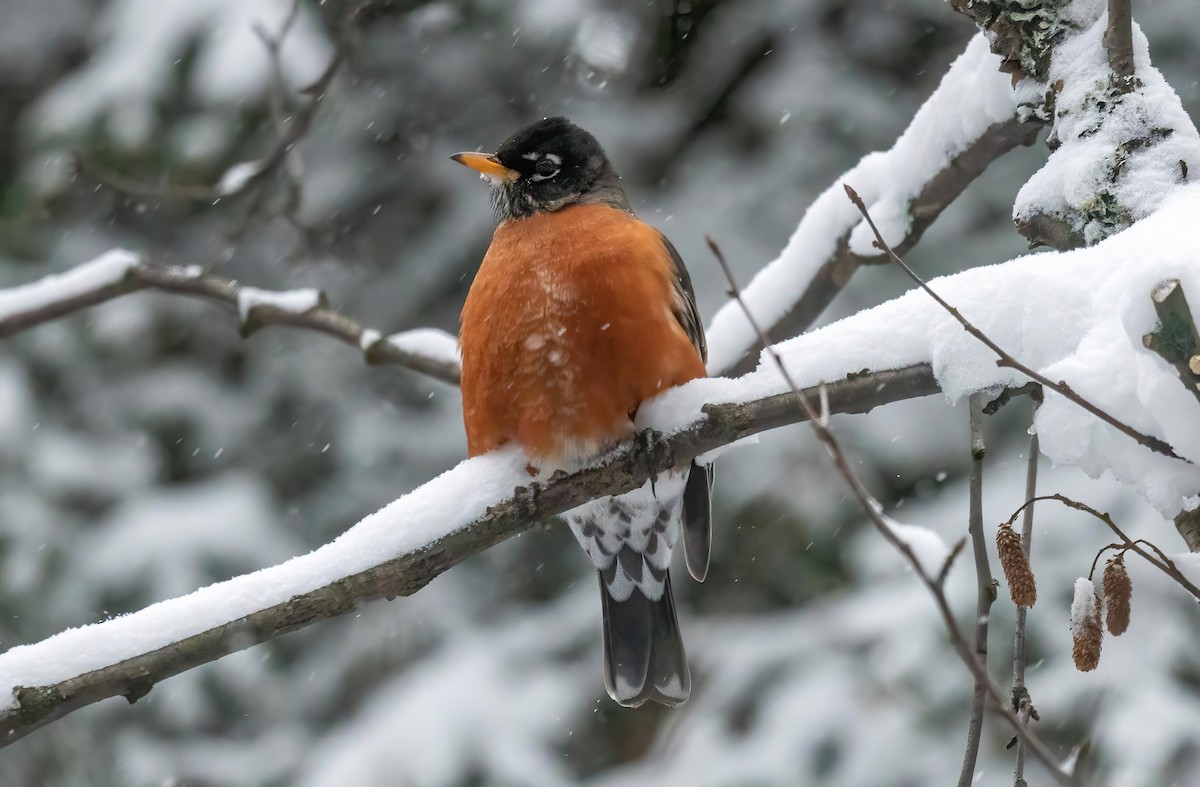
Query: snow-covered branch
x=1120, y=143
x=974, y=117
x=394, y=552
x=1075, y=316
x=120, y=272
x=1078, y=317
x=1002, y=357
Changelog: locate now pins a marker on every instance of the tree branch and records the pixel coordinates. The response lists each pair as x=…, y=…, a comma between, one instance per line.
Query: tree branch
x=985, y=592
x=939, y=191
x=1061, y=388
x=626, y=468
x=192, y=282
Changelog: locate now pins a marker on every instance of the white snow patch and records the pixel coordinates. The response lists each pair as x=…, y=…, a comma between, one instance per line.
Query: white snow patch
x=971, y=97
x=237, y=176
x=294, y=301
x=369, y=338
x=1083, y=607
x=605, y=41
x=931, y=551
x=428, y=343
x=107, y=269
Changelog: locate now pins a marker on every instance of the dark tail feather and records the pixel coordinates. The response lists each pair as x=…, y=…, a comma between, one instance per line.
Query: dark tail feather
x=643, y=652
x=697, y=520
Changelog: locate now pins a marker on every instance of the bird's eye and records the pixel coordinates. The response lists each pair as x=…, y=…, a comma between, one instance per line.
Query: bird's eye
x=546, y=167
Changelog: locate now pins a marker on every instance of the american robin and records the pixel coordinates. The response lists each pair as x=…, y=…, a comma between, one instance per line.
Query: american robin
x=579, y=313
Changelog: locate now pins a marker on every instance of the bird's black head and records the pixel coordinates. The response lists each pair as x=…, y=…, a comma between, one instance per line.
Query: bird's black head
x=545, y=167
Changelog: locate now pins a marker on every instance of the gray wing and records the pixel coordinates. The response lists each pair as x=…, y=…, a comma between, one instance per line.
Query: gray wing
x=685, y=305
x=697, y=495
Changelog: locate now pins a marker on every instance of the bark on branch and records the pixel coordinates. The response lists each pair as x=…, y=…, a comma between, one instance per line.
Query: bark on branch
x=1022, y=34
x=1175, y=338
x=1118, y=40
x=186, y=281
x=626, y=469
x=985, y=593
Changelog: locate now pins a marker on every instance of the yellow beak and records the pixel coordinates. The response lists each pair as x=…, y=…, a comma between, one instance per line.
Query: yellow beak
x=486, y=164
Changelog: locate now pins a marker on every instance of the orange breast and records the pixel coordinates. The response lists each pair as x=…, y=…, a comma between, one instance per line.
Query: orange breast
x=566, y=330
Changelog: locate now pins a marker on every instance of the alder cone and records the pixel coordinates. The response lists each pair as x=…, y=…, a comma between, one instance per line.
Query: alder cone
x=1021, y=584
x=1118, y=590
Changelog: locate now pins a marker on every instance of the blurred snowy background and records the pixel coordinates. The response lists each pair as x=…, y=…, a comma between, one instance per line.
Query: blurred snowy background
x=147, y=450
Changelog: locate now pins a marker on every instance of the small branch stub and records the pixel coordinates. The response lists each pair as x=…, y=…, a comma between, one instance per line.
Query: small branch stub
x=1188, y=525
x=1175, y=338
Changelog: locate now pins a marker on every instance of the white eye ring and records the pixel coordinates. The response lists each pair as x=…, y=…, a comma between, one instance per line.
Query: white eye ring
x=546, y=167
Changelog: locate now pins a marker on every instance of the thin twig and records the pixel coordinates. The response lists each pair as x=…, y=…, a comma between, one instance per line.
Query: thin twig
x=1022, y=702
x=875, y=515
x=1100, y=554
x=1161, y=562
x=1006, y=360
x=277, y=98
x=985, y=591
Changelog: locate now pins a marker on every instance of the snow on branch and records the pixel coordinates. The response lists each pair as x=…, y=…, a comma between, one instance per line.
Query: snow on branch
x=974, y=117
x=1002, y=357
x=1077, y=316
x=395, y=551
x=120, y=272
x=1120, y=144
